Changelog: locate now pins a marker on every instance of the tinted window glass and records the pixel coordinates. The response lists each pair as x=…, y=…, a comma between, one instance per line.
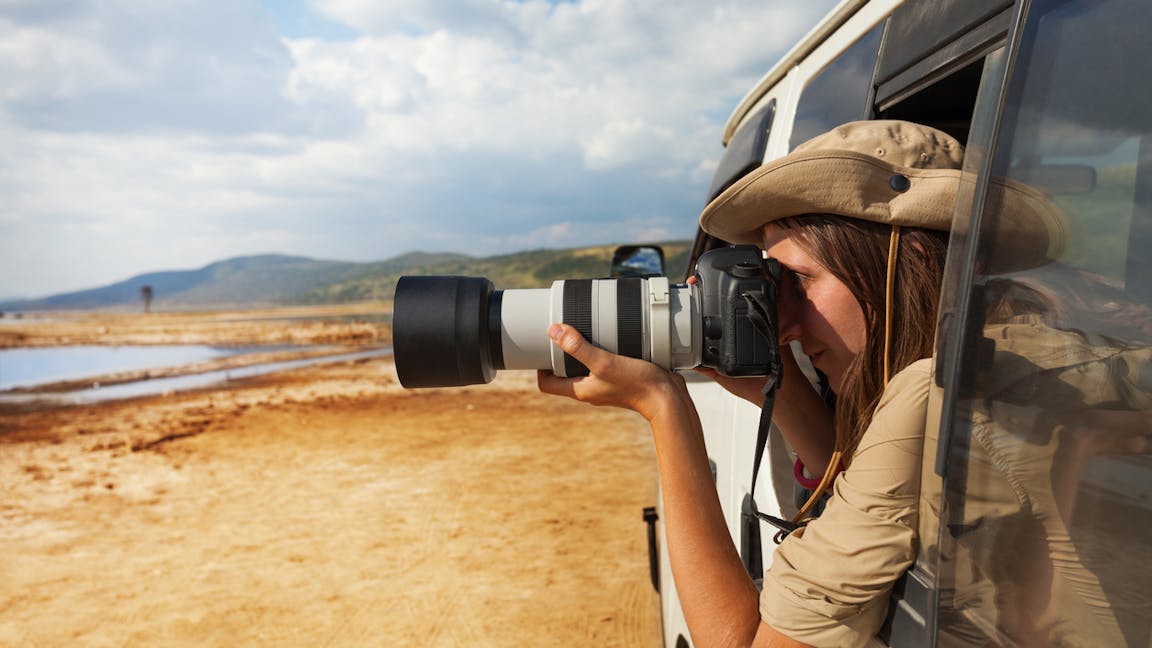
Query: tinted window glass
x=1048, y=488
x=839, y=93
x=745, y=150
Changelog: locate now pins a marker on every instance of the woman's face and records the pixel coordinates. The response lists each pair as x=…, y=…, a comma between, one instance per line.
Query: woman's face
x=815, y=308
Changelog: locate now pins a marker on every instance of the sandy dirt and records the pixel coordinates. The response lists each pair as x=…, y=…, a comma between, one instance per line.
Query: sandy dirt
x=355, y=324
x=327, y=506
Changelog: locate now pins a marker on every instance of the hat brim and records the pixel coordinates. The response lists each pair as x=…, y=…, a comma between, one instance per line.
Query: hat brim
x=1031, y=230
x=843, y=183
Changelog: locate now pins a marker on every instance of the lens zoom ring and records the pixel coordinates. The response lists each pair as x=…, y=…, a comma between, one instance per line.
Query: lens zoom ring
x=495, y=328
x=630, y=317
x=578, y=314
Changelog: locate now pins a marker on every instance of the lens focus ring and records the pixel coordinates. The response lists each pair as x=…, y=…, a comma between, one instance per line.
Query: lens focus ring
x=578, y=314
x=630, y=317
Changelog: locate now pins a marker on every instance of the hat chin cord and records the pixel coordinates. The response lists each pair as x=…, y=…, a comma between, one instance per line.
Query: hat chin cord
x=835, y=462
x=890, y=283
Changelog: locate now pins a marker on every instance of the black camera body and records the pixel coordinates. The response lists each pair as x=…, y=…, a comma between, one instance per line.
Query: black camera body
x=732, y=280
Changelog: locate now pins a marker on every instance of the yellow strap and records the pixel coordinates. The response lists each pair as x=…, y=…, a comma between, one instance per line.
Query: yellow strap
x=893, y=248
x=825, y=482
x=834, y=462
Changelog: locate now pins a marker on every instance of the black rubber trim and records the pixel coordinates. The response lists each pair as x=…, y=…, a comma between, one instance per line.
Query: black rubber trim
x=495, y=329
x=577, y=314
x=630, y=317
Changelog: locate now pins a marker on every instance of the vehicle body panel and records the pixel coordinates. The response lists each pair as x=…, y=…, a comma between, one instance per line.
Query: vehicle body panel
x=1038, y=99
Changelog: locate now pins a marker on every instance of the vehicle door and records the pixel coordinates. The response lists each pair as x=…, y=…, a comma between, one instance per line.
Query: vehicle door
x=1036, y=520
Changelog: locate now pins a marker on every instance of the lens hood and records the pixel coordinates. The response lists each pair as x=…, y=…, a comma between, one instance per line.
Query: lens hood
x=441, y=333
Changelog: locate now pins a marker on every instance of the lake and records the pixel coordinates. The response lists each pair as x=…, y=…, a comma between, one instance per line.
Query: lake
x=37, y=366
x=30, y=367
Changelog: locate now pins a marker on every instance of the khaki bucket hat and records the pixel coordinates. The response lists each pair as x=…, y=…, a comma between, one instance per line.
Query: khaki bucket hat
x=886, y=171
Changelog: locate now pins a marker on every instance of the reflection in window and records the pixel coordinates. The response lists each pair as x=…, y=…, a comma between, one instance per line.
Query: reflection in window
x=839, y=93
x=1048, y=488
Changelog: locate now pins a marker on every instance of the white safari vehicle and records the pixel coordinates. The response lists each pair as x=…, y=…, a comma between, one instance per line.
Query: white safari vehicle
x=1056, y=94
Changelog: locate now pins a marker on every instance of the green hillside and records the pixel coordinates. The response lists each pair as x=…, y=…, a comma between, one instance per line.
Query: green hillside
x=530, y=269
x=285, y=280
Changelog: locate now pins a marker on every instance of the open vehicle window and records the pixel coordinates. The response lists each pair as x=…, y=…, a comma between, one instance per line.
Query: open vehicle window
x=1047, y=534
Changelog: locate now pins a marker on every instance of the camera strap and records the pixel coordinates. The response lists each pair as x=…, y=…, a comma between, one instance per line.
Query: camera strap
x=760, y=313
x=785, y=526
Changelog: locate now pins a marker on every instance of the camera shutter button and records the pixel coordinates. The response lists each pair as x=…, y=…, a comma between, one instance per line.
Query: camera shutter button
x=746, y=270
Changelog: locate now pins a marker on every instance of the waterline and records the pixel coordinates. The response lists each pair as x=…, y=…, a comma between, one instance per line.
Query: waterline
x=30, y=367
x=154, y=386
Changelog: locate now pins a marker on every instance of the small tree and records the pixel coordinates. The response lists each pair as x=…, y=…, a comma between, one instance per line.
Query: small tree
x=146, y=295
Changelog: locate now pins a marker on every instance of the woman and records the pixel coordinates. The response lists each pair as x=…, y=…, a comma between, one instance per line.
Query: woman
x=858, y=219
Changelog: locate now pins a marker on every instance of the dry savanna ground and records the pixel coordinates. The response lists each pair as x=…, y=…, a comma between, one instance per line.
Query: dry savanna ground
x=323, y=506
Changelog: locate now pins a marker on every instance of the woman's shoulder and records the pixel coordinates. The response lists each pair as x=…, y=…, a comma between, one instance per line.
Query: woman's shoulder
x=903, y=408
x=909, y=386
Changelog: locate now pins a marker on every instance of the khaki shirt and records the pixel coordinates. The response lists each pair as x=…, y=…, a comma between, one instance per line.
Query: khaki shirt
x=829, y=584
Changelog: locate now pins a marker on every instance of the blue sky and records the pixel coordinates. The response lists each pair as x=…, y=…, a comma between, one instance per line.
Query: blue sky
x=144, y=136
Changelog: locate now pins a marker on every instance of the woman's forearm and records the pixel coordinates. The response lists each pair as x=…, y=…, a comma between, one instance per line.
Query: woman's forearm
x=719, y=600
x=804, y=418
x=800, y=413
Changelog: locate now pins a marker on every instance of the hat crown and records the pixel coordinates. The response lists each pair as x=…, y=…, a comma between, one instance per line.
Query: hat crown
x=900, y=143
x=888, y=172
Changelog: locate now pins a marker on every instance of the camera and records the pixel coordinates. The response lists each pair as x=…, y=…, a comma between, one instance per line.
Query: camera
x=452, y=331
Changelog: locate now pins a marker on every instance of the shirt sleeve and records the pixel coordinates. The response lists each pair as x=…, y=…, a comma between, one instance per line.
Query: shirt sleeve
x=829, y=583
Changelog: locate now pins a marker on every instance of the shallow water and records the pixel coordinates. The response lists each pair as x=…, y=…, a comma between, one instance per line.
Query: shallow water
x=193, y=381
x=38, y=366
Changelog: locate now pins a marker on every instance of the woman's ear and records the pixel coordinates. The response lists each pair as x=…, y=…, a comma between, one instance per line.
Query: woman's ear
x=922, y=253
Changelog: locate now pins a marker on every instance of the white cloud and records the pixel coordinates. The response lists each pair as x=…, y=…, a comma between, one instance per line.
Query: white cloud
x=38, y=63
x=407, y=16
x=625, y=140
x=188, y=131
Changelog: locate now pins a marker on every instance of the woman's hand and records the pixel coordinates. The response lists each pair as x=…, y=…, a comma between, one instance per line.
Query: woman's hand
x=750, y=388
x=800, y=413
x=614, y=380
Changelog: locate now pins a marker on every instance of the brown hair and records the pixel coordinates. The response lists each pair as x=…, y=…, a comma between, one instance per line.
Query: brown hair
x=856, y=252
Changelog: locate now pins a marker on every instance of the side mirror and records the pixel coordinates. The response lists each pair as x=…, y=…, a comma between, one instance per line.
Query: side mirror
x=638, y=261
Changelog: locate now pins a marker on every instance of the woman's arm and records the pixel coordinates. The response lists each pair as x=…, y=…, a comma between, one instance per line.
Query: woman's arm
x=720, y=602
x=802, y=416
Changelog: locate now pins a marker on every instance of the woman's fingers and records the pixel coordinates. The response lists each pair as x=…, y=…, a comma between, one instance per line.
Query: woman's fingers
x=612, y=380
x=615, y=380
x=571, y=342
x=550, y=383
x=567, y=338
x=749, y=388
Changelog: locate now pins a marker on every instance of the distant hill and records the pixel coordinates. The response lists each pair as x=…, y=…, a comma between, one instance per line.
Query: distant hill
x=530, y=269
x=279, y=279
x=260, y=279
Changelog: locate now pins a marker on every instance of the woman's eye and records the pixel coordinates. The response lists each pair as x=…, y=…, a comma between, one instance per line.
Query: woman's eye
x=796, y=282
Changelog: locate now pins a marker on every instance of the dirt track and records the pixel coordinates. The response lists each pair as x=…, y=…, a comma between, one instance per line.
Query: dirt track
x=327, y=507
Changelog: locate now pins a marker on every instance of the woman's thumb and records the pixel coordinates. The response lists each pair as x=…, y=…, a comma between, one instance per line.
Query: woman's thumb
x=567, y=338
